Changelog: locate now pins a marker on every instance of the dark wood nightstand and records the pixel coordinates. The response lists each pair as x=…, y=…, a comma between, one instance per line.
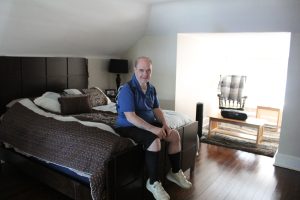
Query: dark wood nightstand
x=112, y=98
x=111, y=94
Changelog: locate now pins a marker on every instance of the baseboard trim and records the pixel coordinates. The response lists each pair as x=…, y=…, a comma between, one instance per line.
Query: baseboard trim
x=287, y=161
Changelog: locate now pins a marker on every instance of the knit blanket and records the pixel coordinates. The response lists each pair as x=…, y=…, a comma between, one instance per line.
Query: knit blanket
x=105, y=117
x=67, y=143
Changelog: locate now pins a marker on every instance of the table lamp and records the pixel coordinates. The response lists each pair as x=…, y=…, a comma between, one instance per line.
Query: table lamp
x=118, y=66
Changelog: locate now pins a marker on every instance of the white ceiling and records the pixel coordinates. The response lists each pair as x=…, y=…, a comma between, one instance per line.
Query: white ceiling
x=89, y=28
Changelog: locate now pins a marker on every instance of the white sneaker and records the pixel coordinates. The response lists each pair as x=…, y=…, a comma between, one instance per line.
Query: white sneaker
x=157, y=190
x=179, y=178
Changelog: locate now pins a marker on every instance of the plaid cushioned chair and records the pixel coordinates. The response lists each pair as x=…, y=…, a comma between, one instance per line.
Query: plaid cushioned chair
x=231, y=92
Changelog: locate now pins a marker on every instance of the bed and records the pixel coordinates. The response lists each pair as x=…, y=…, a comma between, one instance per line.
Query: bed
x=122, y=173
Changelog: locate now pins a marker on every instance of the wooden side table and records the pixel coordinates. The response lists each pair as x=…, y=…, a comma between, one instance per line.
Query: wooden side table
x=258, y=124
x=261, y=109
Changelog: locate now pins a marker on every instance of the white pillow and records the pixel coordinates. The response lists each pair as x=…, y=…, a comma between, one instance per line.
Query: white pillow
x=72, y=91
x=49, y=101
x=13, y=102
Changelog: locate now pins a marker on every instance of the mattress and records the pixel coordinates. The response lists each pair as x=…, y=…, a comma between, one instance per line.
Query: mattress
x=72, y=173
x=173, y=118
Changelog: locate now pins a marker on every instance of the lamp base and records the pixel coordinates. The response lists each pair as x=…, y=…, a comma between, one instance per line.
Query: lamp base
x=118, y=81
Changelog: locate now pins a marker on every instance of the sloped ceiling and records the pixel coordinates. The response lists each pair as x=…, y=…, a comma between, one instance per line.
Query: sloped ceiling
x=88, y=28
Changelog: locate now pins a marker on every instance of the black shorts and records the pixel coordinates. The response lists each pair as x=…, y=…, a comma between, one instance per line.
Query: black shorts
x=139, y=135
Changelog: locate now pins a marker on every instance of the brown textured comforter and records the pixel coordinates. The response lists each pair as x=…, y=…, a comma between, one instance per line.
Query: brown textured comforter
x=105, y=117
x=70, y=144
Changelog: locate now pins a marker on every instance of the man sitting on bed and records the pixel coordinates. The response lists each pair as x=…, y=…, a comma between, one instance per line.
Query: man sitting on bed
x=141, y=119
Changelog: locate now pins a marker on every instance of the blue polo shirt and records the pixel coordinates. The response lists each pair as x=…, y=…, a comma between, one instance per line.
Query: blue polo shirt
x=136, y=101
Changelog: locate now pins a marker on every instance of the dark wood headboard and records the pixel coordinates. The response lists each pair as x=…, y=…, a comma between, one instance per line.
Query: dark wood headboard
x=32, y=76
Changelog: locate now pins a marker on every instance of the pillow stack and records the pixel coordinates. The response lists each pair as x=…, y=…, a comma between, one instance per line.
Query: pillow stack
x=97, y=96
x=72, y=101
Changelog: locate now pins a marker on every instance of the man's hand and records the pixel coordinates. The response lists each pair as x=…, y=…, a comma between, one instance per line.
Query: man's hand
x=160, y=132
x=139, y=122
x=160, y=116
x=167, y=129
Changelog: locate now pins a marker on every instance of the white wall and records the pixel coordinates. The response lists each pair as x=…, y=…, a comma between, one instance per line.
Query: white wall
x=233, y=16
x=289, y=149
x=99, y=75
x=194, y=79
x=192, y=16
x=70, y=28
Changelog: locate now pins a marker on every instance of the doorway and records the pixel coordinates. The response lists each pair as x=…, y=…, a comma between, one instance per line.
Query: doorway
x=203, y=57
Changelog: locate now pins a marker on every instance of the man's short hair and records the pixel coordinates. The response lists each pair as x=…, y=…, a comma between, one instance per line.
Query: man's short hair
x=142, y=58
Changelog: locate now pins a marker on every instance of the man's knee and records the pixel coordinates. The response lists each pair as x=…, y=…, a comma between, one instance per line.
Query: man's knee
x=155, y=145
x=175, y=136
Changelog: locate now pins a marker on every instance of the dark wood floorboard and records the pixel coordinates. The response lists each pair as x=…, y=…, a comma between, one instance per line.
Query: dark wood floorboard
x=14, y=185
x=220, y=174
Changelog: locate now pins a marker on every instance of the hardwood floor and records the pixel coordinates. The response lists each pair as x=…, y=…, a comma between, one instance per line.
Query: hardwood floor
x=16, y=186
x=223, y=173
x=220, y=174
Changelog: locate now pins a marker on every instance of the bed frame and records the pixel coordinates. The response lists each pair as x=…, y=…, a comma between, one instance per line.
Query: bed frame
x=125, y=175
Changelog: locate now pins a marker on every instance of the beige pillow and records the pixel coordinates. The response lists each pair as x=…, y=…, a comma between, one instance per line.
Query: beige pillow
x=97, y=97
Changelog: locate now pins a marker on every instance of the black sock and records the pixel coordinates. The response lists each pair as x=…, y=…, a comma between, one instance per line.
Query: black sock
x=152, y=164
x=175, y=162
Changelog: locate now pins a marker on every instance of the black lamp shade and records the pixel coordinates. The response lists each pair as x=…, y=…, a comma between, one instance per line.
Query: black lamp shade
x=118, y=66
